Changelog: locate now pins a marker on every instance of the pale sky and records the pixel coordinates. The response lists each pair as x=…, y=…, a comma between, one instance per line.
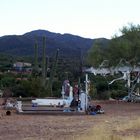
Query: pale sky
x=86, y=18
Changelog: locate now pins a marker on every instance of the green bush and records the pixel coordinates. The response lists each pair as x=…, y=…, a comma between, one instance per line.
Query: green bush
x=117, y=94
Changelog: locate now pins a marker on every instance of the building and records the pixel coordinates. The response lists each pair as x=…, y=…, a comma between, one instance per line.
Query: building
x=22, y=66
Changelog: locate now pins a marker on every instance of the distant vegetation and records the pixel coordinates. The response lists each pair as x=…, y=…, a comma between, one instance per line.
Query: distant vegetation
x=15, y=48
x=75, y=53
x=127, y=47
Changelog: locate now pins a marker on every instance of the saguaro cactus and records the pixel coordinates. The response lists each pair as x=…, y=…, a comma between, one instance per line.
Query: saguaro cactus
x=44, y=62
x=36, y=57
x=52, y=73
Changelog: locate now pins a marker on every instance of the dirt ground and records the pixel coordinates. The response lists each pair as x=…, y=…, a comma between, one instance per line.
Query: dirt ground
x=57, y=127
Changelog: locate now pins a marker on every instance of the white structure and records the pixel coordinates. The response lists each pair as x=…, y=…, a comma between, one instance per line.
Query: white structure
x=131, y=74
x=56, y=102
x=19, y=106
x=22, y=64
x=66, y=101
x=83, y=99
x=1, y=93
x=100, y=71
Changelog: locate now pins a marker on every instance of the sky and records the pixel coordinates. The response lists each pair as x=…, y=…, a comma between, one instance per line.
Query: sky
x=86, y=18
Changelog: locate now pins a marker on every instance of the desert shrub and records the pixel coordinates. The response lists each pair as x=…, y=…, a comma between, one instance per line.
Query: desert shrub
x=117, y=94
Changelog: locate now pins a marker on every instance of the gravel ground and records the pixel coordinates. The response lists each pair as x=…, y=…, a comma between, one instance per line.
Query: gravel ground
x=52, y=127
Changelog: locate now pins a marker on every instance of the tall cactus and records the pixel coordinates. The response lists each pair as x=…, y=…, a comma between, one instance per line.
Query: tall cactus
x=44, y=62
x=52, y=73
x=36, y=57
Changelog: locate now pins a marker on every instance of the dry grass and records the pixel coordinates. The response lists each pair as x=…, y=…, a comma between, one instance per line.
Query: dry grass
x=126, y=131
x=120, y=122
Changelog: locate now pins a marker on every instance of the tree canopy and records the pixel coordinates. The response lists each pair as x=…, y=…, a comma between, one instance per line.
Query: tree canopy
x=126, y=46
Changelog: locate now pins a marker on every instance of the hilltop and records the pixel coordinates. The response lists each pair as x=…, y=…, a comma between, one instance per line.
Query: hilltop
x=69, y=45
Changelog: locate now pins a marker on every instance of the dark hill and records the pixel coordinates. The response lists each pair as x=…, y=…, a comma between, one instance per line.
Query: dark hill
x=23, y=45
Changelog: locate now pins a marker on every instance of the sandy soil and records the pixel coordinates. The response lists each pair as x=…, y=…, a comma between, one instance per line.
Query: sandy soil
x=50, y=127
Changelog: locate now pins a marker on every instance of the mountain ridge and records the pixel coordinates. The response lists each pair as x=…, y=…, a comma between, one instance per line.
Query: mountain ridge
x=23, y=45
